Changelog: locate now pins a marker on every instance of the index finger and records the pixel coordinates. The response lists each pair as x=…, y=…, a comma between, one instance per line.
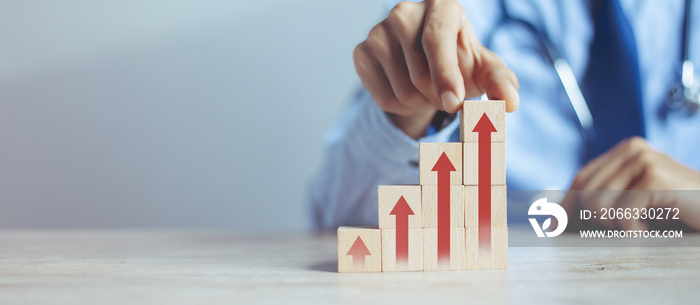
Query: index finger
x=443, y=22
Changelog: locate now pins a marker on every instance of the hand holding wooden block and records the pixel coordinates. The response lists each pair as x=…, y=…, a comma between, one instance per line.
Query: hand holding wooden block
x=359, y=249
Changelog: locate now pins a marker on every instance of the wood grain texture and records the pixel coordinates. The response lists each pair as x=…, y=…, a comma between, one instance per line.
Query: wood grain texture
x=471, y=163
x=415, y=251
x=471, y=113
x=196, y=266
x=429, y=154
x=457, y=250
x=429, y=204
x=496, y=258
x=499, y=206
x=372, y=238
x=388, y=197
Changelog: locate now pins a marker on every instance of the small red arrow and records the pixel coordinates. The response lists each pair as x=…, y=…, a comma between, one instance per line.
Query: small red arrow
x=402, y=210
x=358, y=252
x=484, y=127
x=443, y=167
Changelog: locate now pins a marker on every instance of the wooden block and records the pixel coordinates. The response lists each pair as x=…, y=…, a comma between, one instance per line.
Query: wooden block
x=471, y=114
x=499, y=206
x=471, y=163
x=429, y=199
x=415, y=251
x=457, y=250
x=472, y=248
x=359, y=249
x=499, y=255
x=494, y=258
x=389, y=196
x=429, y=153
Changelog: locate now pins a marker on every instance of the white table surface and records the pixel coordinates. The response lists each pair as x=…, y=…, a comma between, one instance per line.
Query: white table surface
x=215, y=267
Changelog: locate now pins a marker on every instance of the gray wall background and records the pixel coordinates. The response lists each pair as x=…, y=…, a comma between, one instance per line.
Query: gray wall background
x=170, y=113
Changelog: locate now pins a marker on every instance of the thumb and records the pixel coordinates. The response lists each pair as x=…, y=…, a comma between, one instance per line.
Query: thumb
x=495, y=79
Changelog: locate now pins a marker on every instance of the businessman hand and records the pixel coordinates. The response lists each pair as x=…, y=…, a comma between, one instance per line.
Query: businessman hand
x=634, y=165
x=424, y=57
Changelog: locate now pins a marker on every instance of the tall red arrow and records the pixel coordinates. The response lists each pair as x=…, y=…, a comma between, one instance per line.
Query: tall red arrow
x=358, y=251
x=443, y=167
x=402, y=210
x=484, y=127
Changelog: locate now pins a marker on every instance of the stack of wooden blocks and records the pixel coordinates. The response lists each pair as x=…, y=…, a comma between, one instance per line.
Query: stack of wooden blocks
x=455, y=219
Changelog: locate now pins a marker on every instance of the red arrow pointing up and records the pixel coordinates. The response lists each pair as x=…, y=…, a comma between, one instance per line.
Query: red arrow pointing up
x=402, y=210
x=484, y=127
x=358, y=252
x=443, y=167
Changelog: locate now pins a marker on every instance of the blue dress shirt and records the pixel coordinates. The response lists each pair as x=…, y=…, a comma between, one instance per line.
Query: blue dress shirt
x=544, y=148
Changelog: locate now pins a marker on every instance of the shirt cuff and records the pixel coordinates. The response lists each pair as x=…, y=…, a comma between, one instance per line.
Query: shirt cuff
x=389, y=148
x=449, y=133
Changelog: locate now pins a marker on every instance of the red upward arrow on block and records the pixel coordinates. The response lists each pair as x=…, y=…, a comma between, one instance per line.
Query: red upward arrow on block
x=443, y=167
x=484, y=127
x=358, y=251
x=402, y=210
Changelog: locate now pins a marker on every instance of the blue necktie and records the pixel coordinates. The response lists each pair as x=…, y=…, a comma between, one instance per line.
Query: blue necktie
x=611, y=85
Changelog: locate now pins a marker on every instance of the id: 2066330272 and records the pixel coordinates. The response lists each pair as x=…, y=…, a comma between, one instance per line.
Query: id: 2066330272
x=631, y=213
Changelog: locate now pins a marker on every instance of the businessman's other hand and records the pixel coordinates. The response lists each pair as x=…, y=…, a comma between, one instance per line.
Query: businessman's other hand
x=424, y=57
x=634, y=165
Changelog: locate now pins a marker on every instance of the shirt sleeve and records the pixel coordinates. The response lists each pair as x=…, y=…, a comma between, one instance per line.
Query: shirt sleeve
x=363, y=151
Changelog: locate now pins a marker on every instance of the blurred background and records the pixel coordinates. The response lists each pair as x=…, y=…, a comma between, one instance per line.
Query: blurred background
x=170, y=113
